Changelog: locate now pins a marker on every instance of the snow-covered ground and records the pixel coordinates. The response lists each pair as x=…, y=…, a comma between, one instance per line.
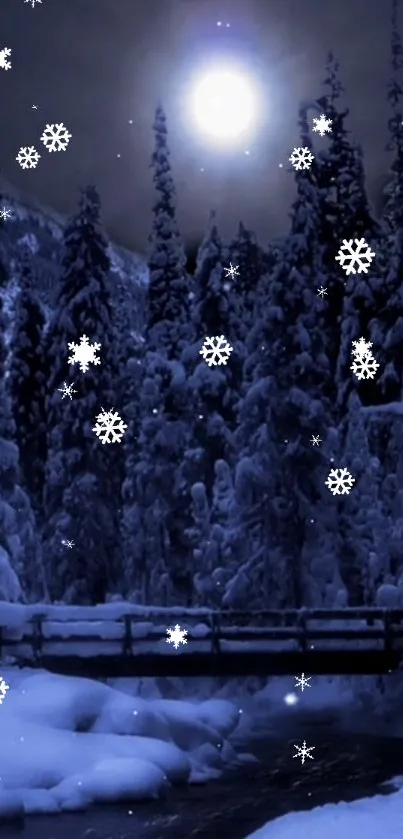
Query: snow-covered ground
x=368, y=817
x=67, y=743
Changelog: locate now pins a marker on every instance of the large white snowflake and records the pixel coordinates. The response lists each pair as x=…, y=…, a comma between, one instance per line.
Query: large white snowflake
x=84, y=353
x=5, y=213
x=355, y=256
x=322, y=125
x=4, y=687
x=176, y=636
x=339, y=481
x=109, y=427
x=301, y=158
x=303, y=751
x=216, y=350
x=361, y=348
x=28, y=157
x=4, y=55
x=364, y=364
x=365, y=367
x=56, y=137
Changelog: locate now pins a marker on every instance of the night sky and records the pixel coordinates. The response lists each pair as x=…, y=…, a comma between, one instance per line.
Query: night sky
x=101, y=67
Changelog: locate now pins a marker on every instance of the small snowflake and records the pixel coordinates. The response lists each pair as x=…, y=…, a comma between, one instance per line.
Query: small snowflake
x=322, y=125
x=67, y=390
x=68, y=543
x=28, y=157
x=349, y=256
x=56, y=137
x=301, y=158
x=4, y=687
x=322, y=291
x=231, y=271
x=5, y=213
x=216, y=350
x=4, y=55
x=303, y=751
x=84, y=353
x=176, y=636
x=303, y=682
x=315, y=440
x=109, y=427
x=339, y=481
x=33, y=2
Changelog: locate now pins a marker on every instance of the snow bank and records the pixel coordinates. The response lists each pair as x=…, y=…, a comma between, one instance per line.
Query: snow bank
x=67, y=743
x=369, y=817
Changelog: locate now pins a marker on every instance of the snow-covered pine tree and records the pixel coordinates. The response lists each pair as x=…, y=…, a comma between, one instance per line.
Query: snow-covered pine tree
x=276, y=483
x=27, y=382
x=168, y=291
x=83, y=476
x=363, y=532
x=387, y=324
x=345, y=214
x=20, y=559
x=246, y=254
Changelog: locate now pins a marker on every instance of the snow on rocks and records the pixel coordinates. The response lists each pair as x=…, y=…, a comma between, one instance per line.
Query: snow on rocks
x=67, y=743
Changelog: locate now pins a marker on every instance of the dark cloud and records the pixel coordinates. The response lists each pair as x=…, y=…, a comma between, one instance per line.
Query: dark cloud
x=97, y=64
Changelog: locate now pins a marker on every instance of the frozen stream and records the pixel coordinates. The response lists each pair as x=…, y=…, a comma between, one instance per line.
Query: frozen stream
x=346, y=767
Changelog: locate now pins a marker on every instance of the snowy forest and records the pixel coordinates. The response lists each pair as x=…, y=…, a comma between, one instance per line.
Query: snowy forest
x=215, y=496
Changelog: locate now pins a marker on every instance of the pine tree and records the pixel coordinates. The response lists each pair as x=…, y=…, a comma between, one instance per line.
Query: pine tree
x=83, y=476
x=345, y=214
x=168, y=293
x=386, y=326
x=20, y=558
x=363, y=528
x=276, y=483
x=27, y=382
x=251, y=262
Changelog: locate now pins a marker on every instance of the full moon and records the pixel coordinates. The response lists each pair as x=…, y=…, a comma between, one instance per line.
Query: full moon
x=224, y=105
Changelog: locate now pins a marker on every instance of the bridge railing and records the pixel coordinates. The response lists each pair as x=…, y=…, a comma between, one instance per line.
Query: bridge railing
x=208, y=631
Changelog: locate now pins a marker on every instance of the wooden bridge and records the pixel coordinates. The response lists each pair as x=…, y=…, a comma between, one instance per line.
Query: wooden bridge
x=347, y=641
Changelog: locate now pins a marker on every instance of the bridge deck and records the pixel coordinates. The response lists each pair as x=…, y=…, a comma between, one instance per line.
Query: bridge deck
x=329, y=662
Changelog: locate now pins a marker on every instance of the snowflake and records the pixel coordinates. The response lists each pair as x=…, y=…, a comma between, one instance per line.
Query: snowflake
x=84, y=353
x=5, y=213
x=231, y=271
x=176, y=636
x=4, y=55
x=68, y=543
x=321, y=291
x=322, y=125
x=216, y=350
x=301, y=158
x=339, y=481
x=364, y=364
x=56, y=137
x=32, y=2
x=361, y=256
x=361, y=348
x=303, y=682
x=365, y=367
x=303, y=751
x=67, y=390
x=109, y=427
x=4, y=687
x=315, y=440
x=28, y=157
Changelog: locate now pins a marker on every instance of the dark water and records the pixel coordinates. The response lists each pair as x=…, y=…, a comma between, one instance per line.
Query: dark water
x=345, y=767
